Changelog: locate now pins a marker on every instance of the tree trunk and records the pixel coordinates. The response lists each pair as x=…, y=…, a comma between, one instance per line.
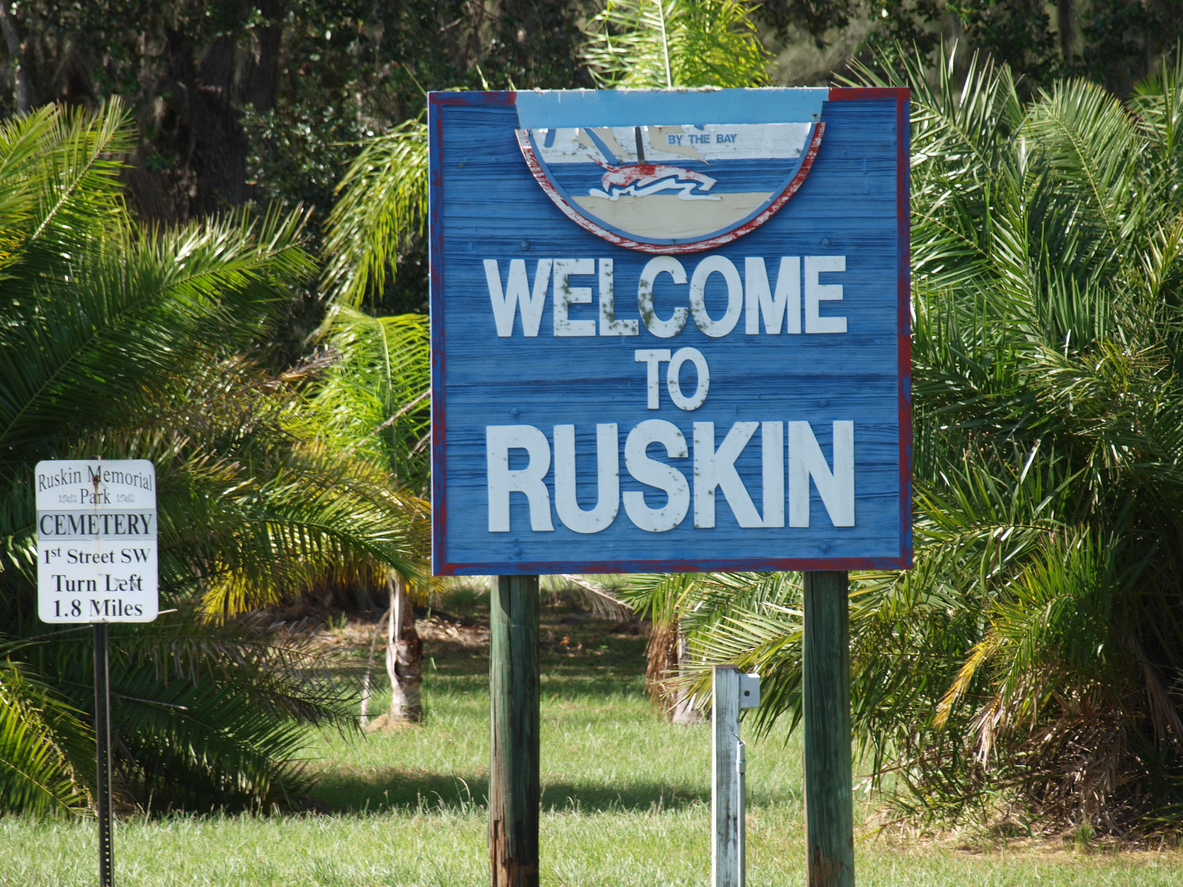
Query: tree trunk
x=198, y=120
x=404, y=655
x=681, y=711
x=24, y=94
x=365, y=684
x=667, y=650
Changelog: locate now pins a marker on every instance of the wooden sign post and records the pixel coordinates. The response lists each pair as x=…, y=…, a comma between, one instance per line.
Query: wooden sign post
x=514, y=762
x=670, y=333
x=829, y=802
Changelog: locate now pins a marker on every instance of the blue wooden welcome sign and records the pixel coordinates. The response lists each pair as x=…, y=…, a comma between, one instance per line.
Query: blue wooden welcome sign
x=670, y=331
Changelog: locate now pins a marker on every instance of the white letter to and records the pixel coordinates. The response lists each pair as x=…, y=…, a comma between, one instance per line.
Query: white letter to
x=653, y=357
x=607, y=480
x=499, y=440
x=836, y=488
x=674, y=383
x=816, y=292
x=759, y=299
x=609, y=325
x=656, y=474
x=663, y=329
x=517, y=293
x=717, y=469
x=698, y=296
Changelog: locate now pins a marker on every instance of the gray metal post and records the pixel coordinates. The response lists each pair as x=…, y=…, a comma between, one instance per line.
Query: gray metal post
x=741, y=769
x=725, y=727
x=514, y=727
x=102, y=731
x=829, y=802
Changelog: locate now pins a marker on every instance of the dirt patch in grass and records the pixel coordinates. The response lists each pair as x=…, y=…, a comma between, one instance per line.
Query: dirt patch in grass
x=569, y=635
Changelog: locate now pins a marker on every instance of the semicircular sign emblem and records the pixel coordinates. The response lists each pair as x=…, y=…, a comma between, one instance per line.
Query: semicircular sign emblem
x=671, y=189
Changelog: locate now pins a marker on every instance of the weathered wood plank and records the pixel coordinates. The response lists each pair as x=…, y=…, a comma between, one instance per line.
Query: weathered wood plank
x=514, y=736
x=829, y=805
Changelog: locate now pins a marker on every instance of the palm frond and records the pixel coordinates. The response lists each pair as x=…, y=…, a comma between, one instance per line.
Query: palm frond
x=126, y=342
x=35, y=770
x=130, y=311
x=331, y=516
x=1093, y=154
x=206, y=714
x=663, y=44
x=373, y=400
x=65, y=191
x=380, y=212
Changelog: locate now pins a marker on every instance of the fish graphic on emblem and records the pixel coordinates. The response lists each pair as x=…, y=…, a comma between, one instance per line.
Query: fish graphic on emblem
x=671, y=189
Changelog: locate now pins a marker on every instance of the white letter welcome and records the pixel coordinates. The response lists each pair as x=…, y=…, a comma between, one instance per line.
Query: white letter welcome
x=517, y=292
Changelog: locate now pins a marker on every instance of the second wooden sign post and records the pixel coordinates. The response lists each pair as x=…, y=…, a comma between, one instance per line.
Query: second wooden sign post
x=829, y=800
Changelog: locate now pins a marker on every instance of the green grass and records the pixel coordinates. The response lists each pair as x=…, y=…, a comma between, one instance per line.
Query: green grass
x=625, y=802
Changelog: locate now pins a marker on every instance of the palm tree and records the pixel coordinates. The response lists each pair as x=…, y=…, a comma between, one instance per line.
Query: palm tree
x=381, y=212
x=656, y=44
x=1034, y=654
x=119, y=341
x=375, y=401
x=662, y=44
x=686, y=609
x=373, y=404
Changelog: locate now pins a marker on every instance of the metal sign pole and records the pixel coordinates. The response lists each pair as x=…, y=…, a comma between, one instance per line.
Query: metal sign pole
x=102, y=729
x=725, y=794
x=741, y=769
x=514, y=754
x=732, y=691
